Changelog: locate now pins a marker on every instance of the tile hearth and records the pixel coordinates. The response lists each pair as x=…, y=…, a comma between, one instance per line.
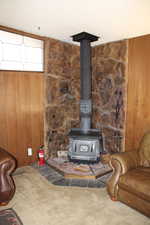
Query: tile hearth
x=57, y=178
x=78, y=170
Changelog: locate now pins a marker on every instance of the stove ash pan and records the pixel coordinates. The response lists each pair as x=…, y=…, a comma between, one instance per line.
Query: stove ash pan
x=85, y=147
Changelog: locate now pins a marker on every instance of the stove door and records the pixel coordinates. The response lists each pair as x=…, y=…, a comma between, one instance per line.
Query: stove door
x=88, y=150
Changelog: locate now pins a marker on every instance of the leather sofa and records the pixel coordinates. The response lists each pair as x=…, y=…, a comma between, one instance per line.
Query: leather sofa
x=7, y=186
x=130, y=180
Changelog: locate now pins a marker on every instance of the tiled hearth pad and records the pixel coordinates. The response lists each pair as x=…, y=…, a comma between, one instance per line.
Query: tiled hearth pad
x=58, y=179
x=78, y=171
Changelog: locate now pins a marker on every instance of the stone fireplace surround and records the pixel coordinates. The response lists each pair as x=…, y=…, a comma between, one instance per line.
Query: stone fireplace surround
x=62, y=91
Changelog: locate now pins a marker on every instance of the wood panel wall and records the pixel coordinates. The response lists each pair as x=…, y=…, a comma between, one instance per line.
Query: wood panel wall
x=21, y=113
x=138, y=93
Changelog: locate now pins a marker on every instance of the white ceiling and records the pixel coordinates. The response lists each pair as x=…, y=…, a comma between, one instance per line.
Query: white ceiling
x=110, y=19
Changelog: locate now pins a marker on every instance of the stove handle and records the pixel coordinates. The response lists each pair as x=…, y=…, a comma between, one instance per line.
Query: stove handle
x=92, y=148
x=75, y=148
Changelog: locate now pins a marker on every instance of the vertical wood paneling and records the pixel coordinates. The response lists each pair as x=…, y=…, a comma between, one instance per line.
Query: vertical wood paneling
x=21, y=113
x=138, y=93
x=3, y=120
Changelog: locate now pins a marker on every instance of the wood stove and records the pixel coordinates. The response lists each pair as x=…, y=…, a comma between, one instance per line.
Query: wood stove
x=85, y=143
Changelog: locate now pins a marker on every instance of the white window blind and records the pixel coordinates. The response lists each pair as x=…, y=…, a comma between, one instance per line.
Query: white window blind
x=18, y=52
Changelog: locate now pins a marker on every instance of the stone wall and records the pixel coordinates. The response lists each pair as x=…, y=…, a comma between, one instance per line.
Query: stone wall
x=109, y=63
x=62, y=85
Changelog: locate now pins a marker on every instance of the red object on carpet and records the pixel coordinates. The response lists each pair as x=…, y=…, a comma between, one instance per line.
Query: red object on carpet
x=9, y=217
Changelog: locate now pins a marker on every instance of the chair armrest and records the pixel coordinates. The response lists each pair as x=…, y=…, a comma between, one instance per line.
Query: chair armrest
x=7, y=187
x=127, y=160
x=4, y=156
x=121, y=163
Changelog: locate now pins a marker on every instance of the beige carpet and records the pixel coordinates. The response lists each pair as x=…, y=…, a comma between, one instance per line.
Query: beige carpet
x=37, y=202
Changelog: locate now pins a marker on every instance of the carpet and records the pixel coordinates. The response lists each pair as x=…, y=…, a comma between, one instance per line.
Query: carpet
x=37, y=202
x=9, y=217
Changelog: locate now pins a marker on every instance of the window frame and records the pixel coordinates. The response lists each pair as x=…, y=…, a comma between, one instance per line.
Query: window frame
x=30, y=35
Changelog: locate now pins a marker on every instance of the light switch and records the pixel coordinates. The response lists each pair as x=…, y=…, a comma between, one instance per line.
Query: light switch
x=29, y=151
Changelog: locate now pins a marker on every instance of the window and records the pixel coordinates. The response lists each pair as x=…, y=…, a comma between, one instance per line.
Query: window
x=18, y=52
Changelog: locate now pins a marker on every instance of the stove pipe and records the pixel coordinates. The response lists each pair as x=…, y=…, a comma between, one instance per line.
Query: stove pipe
x=85, y=40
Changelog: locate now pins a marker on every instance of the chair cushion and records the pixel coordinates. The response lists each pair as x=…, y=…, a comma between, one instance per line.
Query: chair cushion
x=137, y=181
x=144, y=150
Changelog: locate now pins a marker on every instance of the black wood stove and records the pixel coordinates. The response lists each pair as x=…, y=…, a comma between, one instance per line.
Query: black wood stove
x=85, y=143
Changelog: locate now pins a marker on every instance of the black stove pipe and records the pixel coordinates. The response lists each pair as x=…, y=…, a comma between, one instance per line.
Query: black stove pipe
x=85, y=69
x=85, y=78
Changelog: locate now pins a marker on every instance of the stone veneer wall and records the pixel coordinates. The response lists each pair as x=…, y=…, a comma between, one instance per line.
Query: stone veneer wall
x=109, y=64
x=62, y=85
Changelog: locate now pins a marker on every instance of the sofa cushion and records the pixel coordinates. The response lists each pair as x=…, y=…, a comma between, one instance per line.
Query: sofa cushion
x=137, y=181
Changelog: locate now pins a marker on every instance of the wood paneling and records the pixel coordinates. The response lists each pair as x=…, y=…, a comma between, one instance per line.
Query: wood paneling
x=138, y=93
x=21, y=113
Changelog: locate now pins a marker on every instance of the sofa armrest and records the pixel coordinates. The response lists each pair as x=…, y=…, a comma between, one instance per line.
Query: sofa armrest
x=121, y=163
x=7, y=187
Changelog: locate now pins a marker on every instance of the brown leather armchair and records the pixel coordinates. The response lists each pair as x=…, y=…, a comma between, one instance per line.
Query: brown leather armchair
x=130, y=181
x=7, y=187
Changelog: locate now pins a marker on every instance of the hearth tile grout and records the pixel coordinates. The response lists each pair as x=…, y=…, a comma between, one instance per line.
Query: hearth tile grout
x=56, y=178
